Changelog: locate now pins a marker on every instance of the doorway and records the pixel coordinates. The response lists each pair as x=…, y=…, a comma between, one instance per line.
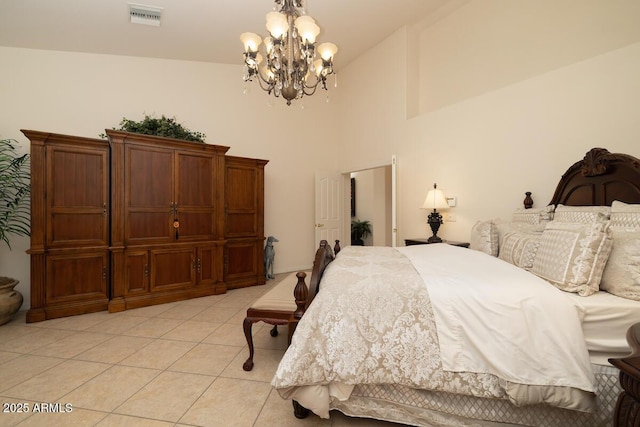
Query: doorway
x=374, y=191
x=372, y=198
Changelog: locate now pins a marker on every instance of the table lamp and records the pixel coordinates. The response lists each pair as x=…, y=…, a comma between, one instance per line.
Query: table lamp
x=435, y=200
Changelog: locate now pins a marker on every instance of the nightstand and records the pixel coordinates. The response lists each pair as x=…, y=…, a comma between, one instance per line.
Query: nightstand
x=410, y=242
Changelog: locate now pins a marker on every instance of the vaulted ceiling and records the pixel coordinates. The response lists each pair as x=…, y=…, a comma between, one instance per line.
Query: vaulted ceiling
x=201, y=30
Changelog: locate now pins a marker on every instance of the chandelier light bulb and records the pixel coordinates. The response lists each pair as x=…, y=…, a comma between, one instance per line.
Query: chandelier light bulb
x=267, y=73
x=268, y=44
x=317, y=64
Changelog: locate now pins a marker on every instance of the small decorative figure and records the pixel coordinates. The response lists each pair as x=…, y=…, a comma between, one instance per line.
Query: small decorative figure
x=528, y=201
x=269, y=254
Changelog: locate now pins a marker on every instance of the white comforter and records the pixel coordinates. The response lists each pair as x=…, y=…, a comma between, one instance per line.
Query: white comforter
x=373, y=322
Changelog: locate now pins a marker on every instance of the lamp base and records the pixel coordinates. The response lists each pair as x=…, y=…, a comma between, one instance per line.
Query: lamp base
x=434, y=221
x=434, y=239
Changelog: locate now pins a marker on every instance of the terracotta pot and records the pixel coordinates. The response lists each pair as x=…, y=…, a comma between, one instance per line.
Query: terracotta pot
x=10, y=299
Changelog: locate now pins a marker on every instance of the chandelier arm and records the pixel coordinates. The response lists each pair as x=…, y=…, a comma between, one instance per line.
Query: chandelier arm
x=312, y=89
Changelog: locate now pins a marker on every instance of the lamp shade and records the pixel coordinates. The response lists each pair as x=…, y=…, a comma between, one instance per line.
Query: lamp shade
x=251, y=41
x=327, y=51
x=307, y=29
x=435, y=200
x=277, y=24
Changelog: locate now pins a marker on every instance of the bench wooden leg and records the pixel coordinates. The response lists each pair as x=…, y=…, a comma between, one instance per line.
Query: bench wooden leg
x=247, y=325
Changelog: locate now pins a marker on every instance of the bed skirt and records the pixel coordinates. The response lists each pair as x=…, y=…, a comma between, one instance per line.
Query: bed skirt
x=426, y=408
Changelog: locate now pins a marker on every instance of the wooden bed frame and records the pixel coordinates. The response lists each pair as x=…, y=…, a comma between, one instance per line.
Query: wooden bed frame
x=597, y=180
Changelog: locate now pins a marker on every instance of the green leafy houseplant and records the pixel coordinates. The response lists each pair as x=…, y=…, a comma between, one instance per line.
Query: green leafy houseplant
x=359, y=231
x=14, y=191
x=164, y=126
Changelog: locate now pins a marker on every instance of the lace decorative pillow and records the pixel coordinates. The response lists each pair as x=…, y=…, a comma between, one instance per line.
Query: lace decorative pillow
x=520, y=249
x=572, y=256
x=505, y=227
x=625, y=215
x=621, y=275
x=484, y=237
x=581, y=213
x=533, y=216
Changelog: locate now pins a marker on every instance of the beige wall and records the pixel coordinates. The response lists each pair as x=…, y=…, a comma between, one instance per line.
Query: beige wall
x=82, y=94
x=488, y=44
x=530, y=87
x=490, y=143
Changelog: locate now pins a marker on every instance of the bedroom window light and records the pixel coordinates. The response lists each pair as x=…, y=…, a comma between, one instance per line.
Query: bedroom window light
x=435, y=200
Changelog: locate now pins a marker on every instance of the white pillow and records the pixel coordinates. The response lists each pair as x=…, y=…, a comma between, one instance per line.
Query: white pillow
x=484, y=237
x=581, y=213
x=520, y=249
x=572, y=256
x=621, y=275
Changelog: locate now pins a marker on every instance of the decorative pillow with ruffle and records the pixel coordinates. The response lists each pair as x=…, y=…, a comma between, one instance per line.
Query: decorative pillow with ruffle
x=572, y=256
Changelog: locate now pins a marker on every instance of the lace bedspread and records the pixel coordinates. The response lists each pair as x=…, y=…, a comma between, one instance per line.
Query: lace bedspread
x=371, y=323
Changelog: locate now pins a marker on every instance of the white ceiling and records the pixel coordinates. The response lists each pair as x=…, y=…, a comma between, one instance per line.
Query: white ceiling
x=201, y=30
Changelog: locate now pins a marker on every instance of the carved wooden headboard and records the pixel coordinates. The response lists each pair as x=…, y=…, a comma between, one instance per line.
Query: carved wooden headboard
x=599, y=179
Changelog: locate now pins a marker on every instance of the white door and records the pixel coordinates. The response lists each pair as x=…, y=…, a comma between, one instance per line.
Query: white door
x=329, y=207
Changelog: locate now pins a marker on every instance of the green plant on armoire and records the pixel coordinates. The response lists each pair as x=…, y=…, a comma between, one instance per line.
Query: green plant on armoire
x=164, y=126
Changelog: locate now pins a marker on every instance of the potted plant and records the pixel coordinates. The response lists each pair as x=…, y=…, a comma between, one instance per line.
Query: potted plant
x=14, y=215
x=360, y=230
x=164, y=126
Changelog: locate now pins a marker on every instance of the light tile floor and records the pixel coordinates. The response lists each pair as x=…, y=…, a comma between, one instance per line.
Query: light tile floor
x=177, y=364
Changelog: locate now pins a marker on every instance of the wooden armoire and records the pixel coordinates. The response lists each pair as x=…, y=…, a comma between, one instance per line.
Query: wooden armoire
x=139, y=220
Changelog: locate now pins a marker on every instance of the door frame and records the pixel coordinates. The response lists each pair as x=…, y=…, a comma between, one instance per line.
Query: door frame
x=346, y=212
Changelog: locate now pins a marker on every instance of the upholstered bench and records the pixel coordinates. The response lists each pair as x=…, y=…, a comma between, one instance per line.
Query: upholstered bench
x=282, y=305
x=287, y=301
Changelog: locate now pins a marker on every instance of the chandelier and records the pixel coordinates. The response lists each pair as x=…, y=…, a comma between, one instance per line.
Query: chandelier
x=291, y=69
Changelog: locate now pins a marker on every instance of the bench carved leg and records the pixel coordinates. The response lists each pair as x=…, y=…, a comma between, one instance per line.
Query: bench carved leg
x=299, y=411
x=247, y=325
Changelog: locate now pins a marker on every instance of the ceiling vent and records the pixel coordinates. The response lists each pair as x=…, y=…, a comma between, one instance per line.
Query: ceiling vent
x=146, y=15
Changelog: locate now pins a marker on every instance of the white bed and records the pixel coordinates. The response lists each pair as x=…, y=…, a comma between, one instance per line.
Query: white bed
x=439, y=335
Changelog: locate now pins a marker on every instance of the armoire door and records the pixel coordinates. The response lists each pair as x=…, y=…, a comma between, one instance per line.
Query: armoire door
x=241, y=199
x=172, y=268
x=195, y=196
x=244, y=222
x=208, y=267
x=149, y=198
x=76, y=277
x=137, y=272
x=77, y=196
